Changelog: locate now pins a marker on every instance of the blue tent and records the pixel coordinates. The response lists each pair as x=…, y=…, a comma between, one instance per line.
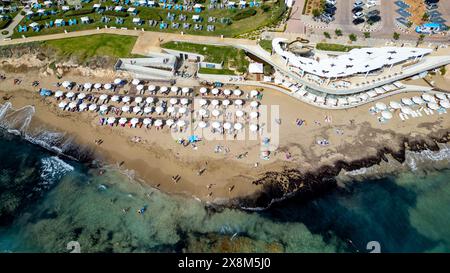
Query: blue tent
x=45, y=92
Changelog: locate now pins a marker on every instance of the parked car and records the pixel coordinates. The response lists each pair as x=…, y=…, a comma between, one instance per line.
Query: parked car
x=358, y=4
x=358, y=15
x=357, y=9
x=373, y=13
x=358, y=21
x=373, y=19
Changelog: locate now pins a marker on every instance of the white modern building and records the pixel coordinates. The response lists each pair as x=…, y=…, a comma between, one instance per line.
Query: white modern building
x=356, y=61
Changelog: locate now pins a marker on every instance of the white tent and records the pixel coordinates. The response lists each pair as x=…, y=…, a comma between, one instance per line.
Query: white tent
x=115, y=98
x=433, y=105
x=253, y=127
x=215, y=91
x=227, y=92
x=202, y=124
x=203, y=90
x=135, y=81
x=407, y=101
x=237, y=92
x=395, y=105
x=93, y=107
x=149, y=100
x=445, y=103
x=59, y=94
x=418, y=100
x=126, y=99
x=381, y=106
x=386, y=114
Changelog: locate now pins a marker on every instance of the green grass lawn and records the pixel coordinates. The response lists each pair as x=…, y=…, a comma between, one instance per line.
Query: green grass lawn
x=230, y=56
x=237, y=27
x=266, y=45
x=85, y=47
x=204, y=70
x=335, y=47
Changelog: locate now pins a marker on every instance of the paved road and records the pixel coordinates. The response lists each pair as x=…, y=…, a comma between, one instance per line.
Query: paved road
x=16, y=20
x=295, y=23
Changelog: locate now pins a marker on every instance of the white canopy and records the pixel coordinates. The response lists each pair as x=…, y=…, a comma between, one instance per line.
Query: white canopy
x=97, y=85
x=159, y=109
x=407, y=101
x=215, y=125
x=203, y=112
x=386, y=114
x=203, y=102
x=433, y=105
x=184, y=101
x=185, y=90
x=149, y=100
x=170, y=109
x=174, y=89
x=170, y=122
x=151, y=88
x=123, y=120
x=164, y=89
x=181, y=123
x=72, y=105
x=93, y=107
x=117, y=81
x=215, y=91
x=126, y=99
x=182, y=110
x=254, y=115
x=81, y=96
x=227, y=92
x=173, y=101
x=226, y=102
x=395, y=105
x=62, y=104
x=441, y=96
x=140, y=87
x=136, y=109
x=70, y=94
x=111, y=120
x=215, y=113
x=202, y=124
x=87, y=85
x=254, y=93
x=254, y=104
x=214, y=102
x=147, y=121
x=418, y=100
x=135, y=81
x=239, y=113
x=66, y=84
x=238, y=102
x=107, y=86
x=115, y=98
x=103, y=107
x=237, y=92
x=158, y=122
x=253, y=127
x=203, y=90
x=445, y=103
x=237, y=126
x=147, y=110
x=103, y=97
x=59, y=93
x=227, y=126
x=381, y=106
x=138, y=99
x=82, y=106
x=428, y=97
x=134, y=121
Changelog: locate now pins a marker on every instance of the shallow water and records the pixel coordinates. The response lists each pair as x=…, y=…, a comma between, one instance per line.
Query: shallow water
x=53, y=201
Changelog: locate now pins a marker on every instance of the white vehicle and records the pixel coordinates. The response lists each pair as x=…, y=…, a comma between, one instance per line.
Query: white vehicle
x=331, y=2
x=357, y=15
x=371, y=4
x=358, y=4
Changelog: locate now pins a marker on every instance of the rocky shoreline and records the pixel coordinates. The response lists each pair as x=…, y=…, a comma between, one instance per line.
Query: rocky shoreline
x=290, y=183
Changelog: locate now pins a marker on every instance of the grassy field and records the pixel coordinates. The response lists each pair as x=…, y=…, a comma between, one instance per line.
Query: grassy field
x=86, y=47
x=335, y=47
x=261, y=18
x=266, y=45
x=230, y=56
x=204, y=70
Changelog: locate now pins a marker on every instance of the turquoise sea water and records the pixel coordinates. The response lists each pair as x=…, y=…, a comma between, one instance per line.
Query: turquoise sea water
x=46, y=202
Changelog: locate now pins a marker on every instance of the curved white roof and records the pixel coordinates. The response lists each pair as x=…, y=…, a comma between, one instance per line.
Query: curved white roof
x=358, y=60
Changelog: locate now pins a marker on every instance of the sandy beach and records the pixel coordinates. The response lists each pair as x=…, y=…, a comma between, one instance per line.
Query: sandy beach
x=352, y=135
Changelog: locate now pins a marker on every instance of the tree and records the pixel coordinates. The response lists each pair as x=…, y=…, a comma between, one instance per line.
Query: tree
x=366, y=35
x=425, y=17
x=352, y=37
x=396, y=36
x=316, y=12
x=420, y=39
x=327, y=35
x=338, y=32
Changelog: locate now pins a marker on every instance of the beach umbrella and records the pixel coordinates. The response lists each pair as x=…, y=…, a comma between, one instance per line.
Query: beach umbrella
x=381, y=106
x=151, y=88
x=170, y=109
x=93, y=107
x=103, y=107
x=66, y=84
x=215, y=113
x=203, y=90
x=117, y=81
x=203, y=102
x=126, y=99
x=138, y=99
x=134, y=121
x=70, y=95
x=227, y=92
x=406, y=110
x=395, y=105
x=237, y=92
x=111, y=120
x=125, y=108
x=181, y=123
x=147, y=121
x=62, y=104
x=182, y=110
x=147, y=110
x=237, y=126
x=82, y=106
x=238, y=102
x=386, y=114
x=254, y=115
x=215, y=91
x=441, y=96
x=149, y=100
x=215, y=125
x=170, y=122
x=115, y=98
x=407, y=101
x=185, y=90
x=227, y=126
x=214, y=102
x=136, y=109
x=184, y=101
x=59, y=94
x=135, y=81
x=239, y=113
x=433, y=105
x=226, y=102
x=202, y=124
x=173, y=101
x=174, y=89
x=159, y=109
x=122, y=121
x=72, y=105
x=81, y=96
x=158, y=122
x=202, y=112
x=108, y=86
x=253, y=127
x=164, y=89
x=97, y=85
x=253, y=93
x=427, y=97
x=445, y=103
x=418, y=100
x=87, y=85
x=140, y=87
x=103, y=97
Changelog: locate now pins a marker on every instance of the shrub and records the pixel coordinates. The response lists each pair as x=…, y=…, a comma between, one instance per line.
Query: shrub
x=4, y=23
x=338, y=32
x=244, y=14
x=396, y=36
x=116, y=13
x=265, y=8
x=366, y=34
x=352, y=37
x=327, y=35
x=78, y=12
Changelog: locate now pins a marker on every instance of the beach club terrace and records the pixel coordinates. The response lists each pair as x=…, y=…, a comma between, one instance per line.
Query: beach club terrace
x=358, y=61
